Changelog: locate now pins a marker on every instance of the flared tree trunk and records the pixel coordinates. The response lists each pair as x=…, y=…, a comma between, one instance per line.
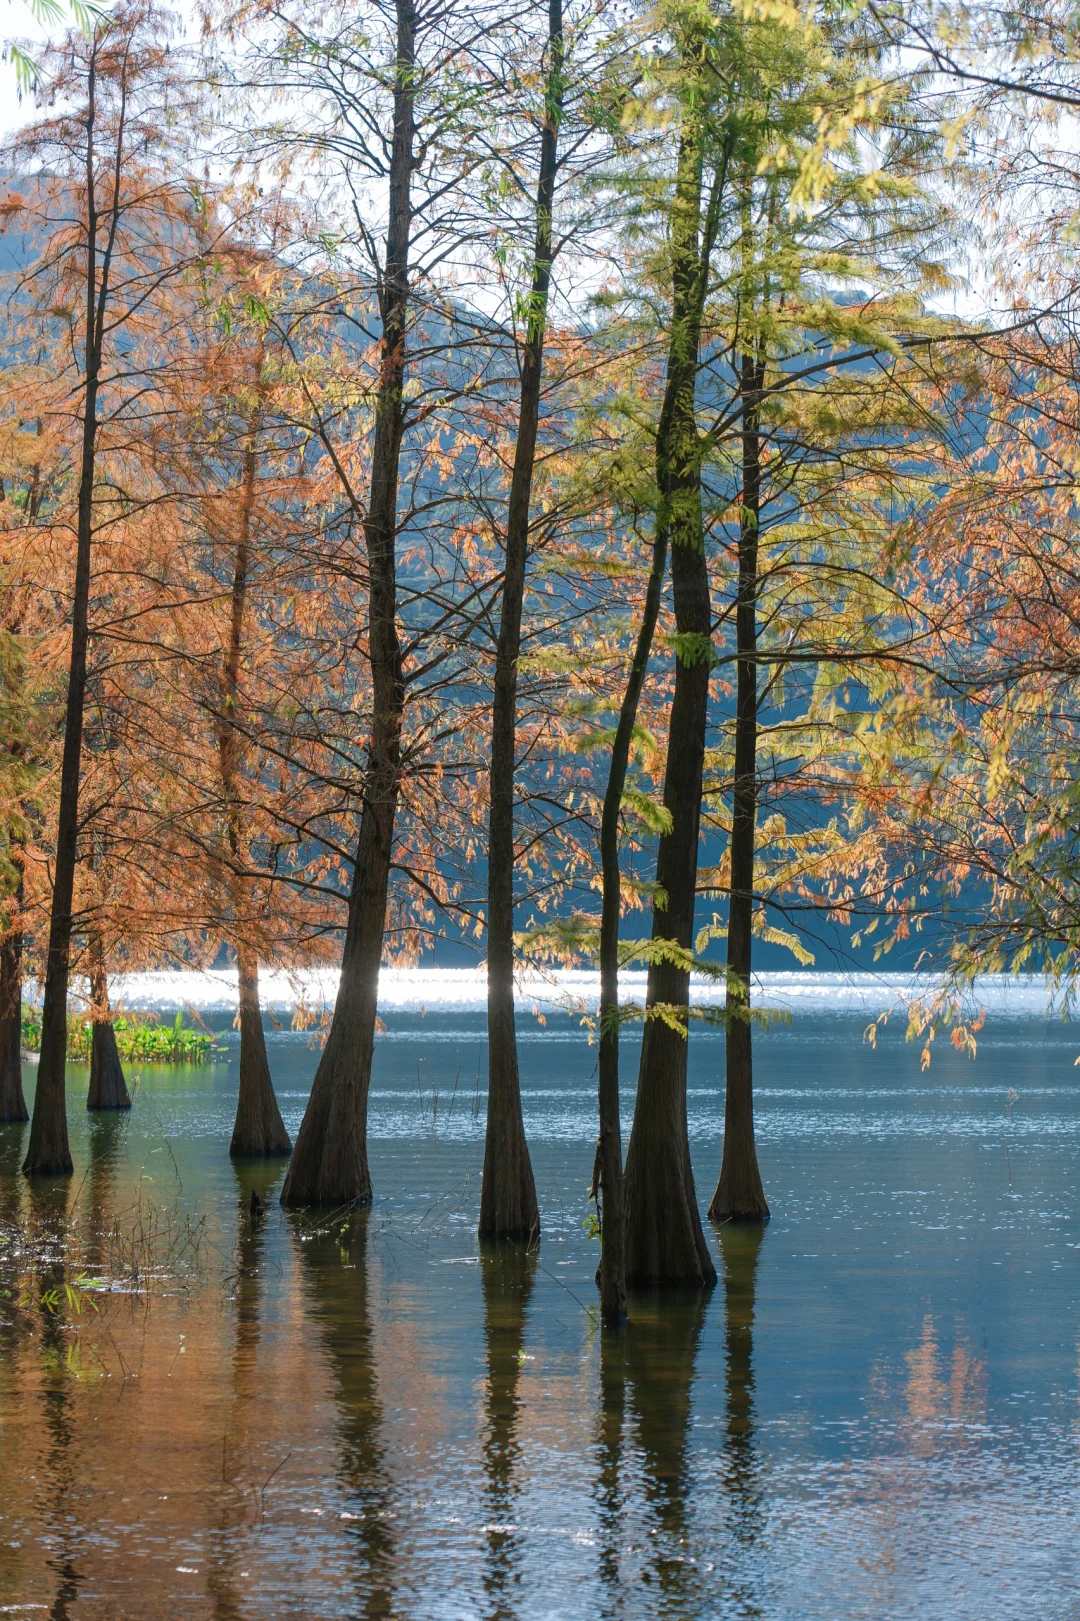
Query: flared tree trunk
x=329, y=1163
x=108, y=1089
x=665, y=1243
x=48, y=1153
x=12, y=1103
x=508, y=1207
x=608, y=1176
x=739, y=1194
x=259, y=1132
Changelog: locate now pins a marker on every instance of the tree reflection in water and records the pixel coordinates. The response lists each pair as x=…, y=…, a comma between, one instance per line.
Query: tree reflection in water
x=610, y=1485
x=255, y=1180
x=647, y=1370
x=106, y=1140
x=335, y=1263
x=59, y=1469
x=507, y=1271
x=11, y=1183
x=741, y=1245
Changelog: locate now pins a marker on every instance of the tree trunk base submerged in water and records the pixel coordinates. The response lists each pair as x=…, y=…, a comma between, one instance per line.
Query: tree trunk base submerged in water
x=108, y=1088
x=259, y=1131
x=329, y=1165
x=739, y=1195
x=665, y=1242
x=508, y=1207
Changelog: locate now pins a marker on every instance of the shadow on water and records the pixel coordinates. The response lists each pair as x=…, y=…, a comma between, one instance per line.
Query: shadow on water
x=507, y=1272
x=740, y=1470
x=335, y=1264
x=646, y=1379
x=240, y=1503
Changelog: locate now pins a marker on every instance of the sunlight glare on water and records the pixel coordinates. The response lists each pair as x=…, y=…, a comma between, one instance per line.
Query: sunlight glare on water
x=875, y=1414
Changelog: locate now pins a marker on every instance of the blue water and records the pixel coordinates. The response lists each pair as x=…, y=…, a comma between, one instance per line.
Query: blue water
x=875, y=1414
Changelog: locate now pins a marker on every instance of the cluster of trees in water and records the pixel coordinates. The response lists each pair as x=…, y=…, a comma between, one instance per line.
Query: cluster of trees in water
x=509, y=471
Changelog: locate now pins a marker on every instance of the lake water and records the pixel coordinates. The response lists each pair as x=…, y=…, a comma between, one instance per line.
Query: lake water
x=875, y=1414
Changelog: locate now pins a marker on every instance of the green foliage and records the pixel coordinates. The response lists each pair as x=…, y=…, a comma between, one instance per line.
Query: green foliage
x=140, y=1041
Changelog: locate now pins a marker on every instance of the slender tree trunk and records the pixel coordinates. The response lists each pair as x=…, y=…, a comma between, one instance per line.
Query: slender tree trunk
x=108, y=1089
x=258, y=1131
x=329, y=1163
x=739, y=1194
x=665, y=1243
x=48, y=1153
x=12, y=1103
x=608, y=1177
x=508, y=1207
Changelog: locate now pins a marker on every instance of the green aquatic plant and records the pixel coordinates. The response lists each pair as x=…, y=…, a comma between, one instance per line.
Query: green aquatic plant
x=139, y=1040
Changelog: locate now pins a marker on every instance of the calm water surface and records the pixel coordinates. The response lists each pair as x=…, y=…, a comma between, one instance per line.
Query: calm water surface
x=875, y=1414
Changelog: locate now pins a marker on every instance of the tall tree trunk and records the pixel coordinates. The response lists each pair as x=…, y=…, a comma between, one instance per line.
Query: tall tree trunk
x=739, y=1194
x=608, y=1175
x=12, y=1103
x=508, y=1207
x=329, y=1163
x=258, y=1131
x=48, y=1153
x=108, y=1089
x=665, y=1243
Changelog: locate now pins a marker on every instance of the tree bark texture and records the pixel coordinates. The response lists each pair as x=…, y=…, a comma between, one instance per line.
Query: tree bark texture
x=329, y=1164
x=739, y=1194
x=48, y=1153
x=12, y=1103
x=508, y=1207
x=665, y=1243
x=258, y=1130
x=108, y=1089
